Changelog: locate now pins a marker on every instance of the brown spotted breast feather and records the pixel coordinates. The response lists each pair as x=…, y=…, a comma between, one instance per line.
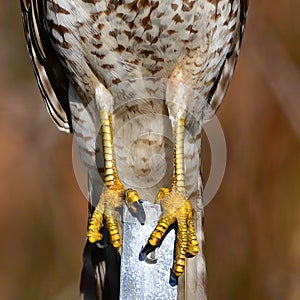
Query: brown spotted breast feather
x=116, y=41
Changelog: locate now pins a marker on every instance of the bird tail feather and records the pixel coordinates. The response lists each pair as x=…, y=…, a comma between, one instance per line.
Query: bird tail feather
x=100, y=276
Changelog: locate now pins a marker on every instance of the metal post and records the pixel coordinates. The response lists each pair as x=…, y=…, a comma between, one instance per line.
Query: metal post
x=147, y=280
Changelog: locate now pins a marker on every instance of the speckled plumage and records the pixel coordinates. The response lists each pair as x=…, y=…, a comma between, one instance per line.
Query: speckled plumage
x=146, y=62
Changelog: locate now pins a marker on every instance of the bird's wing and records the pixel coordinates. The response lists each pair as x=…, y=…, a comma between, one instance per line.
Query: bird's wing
x=219, y=89
x=51, y=79
x=192, y=285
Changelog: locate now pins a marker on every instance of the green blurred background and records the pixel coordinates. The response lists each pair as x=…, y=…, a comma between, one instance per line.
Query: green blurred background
x=252, y=227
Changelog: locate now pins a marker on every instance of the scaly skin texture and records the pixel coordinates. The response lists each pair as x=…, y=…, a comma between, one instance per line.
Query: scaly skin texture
x=113, y=194
x=177, y=208
x=106, y=209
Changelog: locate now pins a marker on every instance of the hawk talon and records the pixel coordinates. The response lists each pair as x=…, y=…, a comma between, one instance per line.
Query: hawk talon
x=145, y=251
x=106, y=209
x=176, y=209
x=173, y=279
x=143, y=256
x=134, y=204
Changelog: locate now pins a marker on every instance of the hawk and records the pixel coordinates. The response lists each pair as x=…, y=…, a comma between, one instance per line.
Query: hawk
x=135, y=80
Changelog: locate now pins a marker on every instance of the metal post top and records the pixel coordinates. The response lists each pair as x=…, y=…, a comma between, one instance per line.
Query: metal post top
x=147, y=280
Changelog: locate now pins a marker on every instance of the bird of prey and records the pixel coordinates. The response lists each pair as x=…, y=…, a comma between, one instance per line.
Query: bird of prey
x=135, y=80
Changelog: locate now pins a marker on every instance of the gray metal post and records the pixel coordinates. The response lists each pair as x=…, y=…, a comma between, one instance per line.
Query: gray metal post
x=147, y=280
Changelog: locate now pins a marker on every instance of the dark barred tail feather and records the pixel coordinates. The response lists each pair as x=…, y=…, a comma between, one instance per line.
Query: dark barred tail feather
x=100, y=276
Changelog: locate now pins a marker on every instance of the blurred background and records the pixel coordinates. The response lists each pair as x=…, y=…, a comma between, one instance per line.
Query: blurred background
x=252, y=226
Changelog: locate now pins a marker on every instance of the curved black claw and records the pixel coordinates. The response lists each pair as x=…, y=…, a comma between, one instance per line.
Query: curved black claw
x=135, y=206
x=145, y=251
x=189, y=255
x=173, y=280
x=139, y=212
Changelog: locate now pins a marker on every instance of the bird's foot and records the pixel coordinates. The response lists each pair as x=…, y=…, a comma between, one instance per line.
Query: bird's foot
x=176, y=210
x=110, y=201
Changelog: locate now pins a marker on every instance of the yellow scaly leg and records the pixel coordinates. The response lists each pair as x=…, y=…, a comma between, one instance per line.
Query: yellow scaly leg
x=175, y=208
x=114, y=193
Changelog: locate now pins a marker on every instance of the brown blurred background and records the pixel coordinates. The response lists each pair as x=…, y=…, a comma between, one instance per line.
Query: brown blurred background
x=252, y=226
